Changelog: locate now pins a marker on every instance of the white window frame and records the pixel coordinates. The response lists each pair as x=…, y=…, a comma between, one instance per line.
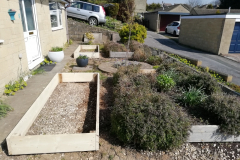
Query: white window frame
x=57, y=12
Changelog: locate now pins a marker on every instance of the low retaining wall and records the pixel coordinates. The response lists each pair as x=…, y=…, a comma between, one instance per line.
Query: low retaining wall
x=76, y=31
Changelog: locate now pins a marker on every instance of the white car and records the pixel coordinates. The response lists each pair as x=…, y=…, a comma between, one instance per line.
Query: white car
x=173, y=28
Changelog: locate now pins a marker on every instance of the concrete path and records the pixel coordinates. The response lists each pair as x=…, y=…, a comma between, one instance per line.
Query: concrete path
x=23, y=99
x=214, y=62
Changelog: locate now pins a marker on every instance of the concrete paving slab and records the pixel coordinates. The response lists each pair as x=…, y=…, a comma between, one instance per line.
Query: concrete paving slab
x=23, y=99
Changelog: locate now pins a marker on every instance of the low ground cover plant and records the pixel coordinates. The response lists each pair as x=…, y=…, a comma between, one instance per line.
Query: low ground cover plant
x=14, y=86
x=144, y=117
x=154, y=60
x=4, y=108
x=143, y=101
x=225, y=111
x=192, y=97
x=165, y=82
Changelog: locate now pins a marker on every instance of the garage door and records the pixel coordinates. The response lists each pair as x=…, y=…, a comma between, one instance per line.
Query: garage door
x=235, y=43
x=166, y=19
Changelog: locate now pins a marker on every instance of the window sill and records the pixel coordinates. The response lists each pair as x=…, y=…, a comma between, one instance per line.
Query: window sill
x=57, y=28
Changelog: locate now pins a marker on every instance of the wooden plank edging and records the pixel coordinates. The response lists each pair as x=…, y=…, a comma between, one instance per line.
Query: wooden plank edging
x=18, y=143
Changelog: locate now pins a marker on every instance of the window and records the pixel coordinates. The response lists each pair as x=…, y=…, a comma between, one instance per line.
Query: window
x=95, y=8
x=175, y=24
x=87, y=7
x=77, y=5
x=55, y=15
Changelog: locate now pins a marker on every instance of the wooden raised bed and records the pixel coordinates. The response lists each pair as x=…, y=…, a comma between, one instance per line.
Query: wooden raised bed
x=19, y=143
x=120, y=54
x=83, y=50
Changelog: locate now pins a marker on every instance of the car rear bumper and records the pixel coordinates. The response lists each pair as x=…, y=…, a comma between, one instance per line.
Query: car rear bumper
x=102, y=20
x=178, y=32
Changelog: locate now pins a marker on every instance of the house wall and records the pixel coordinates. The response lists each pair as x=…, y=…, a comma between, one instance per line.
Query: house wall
x=140, y=6
x=227, y=36
x=203, y=34
x=12, y=33
x=180, y=9
x=48, y=37
x=153, y=20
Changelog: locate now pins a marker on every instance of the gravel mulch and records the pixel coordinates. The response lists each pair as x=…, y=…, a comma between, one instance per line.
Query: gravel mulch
x=65, y=111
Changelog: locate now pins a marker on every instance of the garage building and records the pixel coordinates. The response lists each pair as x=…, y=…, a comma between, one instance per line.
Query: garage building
x=160, y=18
x=218, y=34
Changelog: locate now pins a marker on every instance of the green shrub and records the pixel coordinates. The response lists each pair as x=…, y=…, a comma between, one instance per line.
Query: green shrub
x=56, y=49
x=154, y=60
x=225, y=111
x=138, y=33
x=144, y=118
x=112, y=10
x=192, y=97
x=165, y=82
x=4, y=108
x=201, y=80
x=113, y=46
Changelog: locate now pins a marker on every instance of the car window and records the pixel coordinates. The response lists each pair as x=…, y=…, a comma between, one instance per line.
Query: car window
x=77, y=5
x=175, y=24
x=95, y=8
x=87, y=6
x=170, y=24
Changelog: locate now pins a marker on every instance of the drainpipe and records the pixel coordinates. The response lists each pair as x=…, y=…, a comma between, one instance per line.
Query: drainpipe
x=66, y=20
x=229, y=10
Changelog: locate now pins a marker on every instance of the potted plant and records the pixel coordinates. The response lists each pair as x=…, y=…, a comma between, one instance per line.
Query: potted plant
x=56, y=54
x=82, y=61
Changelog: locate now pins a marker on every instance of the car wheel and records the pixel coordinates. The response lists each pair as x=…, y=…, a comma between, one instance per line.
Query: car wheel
x=93, y=21
x=175, y=33
x=166, y=30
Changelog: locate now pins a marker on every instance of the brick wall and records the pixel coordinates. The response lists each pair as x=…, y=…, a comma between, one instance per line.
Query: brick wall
x=203, y=34
x=78, y=29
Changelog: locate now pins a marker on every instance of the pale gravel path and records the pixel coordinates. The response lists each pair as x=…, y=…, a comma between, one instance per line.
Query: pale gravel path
x=215, y=62
x=64, y=112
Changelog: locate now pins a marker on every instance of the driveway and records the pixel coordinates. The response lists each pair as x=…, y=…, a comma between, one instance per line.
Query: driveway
x=214, y=62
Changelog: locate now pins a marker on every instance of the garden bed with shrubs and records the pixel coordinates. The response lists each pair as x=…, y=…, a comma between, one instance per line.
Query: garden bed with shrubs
x=156, y=111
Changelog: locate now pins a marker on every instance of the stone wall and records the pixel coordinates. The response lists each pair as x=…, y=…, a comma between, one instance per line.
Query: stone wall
x=153, y=18
x=140, y=6
x=78, y=29
x=204, y=34
x=227, y=36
